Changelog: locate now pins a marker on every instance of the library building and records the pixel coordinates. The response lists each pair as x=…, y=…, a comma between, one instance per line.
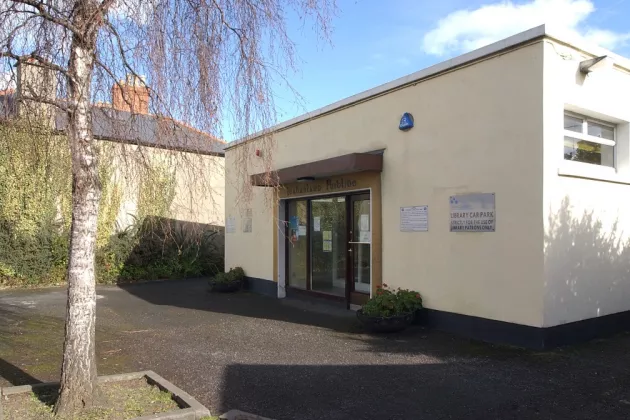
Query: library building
x=495, y=184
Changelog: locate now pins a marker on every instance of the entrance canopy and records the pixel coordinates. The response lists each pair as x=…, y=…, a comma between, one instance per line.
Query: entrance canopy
x=339, y=165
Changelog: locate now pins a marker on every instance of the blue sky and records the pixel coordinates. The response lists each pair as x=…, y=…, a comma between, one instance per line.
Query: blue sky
x=376, y=41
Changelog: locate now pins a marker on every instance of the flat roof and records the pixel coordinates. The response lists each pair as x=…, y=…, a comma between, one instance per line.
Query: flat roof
x=539, y=32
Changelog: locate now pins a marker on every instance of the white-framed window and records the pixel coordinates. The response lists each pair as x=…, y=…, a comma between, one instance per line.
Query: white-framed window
x=589, y=141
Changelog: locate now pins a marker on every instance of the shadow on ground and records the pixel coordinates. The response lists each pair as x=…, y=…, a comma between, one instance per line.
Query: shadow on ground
x=31, y=347
x=193, y=294
x=427, y=391
x=16, y=376
x=285, y=361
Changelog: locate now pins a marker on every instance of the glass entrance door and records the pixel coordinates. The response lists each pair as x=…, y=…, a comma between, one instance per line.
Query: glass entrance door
x=360, y=249
x=329, y=246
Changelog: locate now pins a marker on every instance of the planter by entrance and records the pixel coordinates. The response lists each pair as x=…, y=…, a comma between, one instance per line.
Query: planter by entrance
x=420, y=317
x=382, y=324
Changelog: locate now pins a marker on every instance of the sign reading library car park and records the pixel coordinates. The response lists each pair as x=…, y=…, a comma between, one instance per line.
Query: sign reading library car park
x=472, y=212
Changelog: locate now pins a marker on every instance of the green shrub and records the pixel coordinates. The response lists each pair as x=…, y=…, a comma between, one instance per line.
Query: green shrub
x=236, y=274
x=35, y=206
x=387, y=302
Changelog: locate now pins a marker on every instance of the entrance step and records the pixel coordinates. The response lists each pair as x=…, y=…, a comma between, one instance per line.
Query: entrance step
x=319, y=305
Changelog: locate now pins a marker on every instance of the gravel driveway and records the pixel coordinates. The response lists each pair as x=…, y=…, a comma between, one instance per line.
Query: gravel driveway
x=297, y=360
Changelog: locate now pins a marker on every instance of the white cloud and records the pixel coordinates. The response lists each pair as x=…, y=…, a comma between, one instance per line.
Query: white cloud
x=138, y=11
x=466, y=30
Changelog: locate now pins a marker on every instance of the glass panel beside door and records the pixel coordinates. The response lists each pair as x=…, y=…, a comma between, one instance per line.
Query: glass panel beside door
x=360, y=244
x=297, y=268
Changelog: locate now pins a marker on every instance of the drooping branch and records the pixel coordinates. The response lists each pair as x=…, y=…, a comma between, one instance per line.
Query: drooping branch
x=40, y=7
x=39, y=61
x=63, y=105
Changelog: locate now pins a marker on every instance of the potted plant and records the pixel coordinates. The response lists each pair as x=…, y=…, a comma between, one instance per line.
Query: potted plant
x=390, y=310
x=229, y=282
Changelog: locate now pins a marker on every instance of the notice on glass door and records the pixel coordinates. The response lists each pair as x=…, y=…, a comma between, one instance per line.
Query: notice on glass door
x=414, y=219
x=364, y=223
x=327, y=247
x=317, y=223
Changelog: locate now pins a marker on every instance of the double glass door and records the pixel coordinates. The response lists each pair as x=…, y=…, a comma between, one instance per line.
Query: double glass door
x=329, y=246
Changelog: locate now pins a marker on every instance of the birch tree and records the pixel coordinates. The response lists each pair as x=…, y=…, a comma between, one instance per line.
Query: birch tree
x=205, y=62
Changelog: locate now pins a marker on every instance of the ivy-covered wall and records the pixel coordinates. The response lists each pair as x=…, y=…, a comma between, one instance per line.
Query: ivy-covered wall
x=35, y=216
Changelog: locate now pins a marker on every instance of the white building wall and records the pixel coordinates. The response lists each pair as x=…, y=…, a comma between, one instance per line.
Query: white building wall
x=477, y=129
x=586, y=218
x=253, y=250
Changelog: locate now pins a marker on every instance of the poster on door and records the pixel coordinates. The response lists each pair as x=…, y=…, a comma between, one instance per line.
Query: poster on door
x=327, y=241
x=294, y=232
x=364, y=223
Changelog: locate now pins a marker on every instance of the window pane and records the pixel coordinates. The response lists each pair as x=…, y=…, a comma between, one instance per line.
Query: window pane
x=297, y=244
x=572, y=123
x=588, y=152
x=601, y=131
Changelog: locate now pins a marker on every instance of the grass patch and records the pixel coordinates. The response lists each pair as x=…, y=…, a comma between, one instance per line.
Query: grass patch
x=120, y=401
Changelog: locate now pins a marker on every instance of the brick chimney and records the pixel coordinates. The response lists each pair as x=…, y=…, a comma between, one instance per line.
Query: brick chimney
x=132, y=97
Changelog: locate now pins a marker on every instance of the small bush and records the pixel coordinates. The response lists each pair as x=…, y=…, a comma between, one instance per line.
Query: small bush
x=387, y=302
x=35, y=218
x=236, y=274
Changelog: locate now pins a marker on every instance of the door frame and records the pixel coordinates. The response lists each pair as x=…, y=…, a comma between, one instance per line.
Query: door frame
x=349, y=198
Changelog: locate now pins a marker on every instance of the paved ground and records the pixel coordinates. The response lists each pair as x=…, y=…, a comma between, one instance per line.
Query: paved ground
x=291, y=360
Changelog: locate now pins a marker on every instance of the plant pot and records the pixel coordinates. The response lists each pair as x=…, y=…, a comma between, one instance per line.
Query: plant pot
x=223, y=287
x=382, y=324
x=420, y=317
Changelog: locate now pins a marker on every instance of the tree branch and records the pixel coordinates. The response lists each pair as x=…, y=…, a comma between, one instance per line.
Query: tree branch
x=40, y=7
x=63, y=105
x=40, y=62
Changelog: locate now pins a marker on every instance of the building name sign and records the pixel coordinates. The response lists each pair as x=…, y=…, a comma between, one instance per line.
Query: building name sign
x=331, y=185
x=473, y=213
x=340, y=184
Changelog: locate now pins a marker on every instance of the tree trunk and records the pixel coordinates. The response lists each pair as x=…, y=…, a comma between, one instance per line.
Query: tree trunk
x=78, y=371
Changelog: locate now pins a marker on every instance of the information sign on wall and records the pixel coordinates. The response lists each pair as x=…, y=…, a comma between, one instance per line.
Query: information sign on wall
x=472, y=212
x=247, y=221
x=414, y=219
x=230, y=225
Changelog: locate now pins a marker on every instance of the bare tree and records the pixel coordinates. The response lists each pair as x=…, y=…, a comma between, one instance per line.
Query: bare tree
x=206, y=61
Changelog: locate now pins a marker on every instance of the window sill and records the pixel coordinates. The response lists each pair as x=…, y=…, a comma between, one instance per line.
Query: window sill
x=594, y=172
